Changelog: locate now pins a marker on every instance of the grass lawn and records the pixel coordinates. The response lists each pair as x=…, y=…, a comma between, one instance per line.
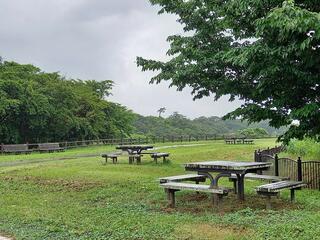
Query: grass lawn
x=79, y=198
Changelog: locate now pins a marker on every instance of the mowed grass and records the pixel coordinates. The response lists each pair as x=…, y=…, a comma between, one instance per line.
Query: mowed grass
x=79, y=198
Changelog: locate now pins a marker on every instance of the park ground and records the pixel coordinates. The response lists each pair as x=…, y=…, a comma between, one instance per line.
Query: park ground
x=72, y=195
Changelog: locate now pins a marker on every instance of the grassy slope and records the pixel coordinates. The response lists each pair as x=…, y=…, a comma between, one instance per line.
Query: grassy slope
x=83, y=199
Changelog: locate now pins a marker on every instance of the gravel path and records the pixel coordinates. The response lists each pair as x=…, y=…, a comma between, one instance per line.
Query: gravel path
x=4, y=238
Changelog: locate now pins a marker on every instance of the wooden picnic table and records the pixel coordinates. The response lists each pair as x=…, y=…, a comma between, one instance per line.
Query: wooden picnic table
x=241, y=140
x=225, y=169
x=134, y=149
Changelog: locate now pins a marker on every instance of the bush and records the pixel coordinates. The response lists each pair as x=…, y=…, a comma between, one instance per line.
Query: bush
x=307, y=148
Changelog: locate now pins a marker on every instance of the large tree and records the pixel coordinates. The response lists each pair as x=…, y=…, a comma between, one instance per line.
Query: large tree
x=37, y=107
x=263, y=52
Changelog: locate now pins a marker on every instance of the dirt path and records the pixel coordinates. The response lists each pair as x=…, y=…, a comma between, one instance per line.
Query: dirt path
x=4, y=238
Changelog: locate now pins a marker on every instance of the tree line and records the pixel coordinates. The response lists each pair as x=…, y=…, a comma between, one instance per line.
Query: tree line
x=178, y=125
x=36, y=106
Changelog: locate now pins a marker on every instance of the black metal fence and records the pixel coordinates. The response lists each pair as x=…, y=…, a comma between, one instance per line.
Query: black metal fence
x=306, y=171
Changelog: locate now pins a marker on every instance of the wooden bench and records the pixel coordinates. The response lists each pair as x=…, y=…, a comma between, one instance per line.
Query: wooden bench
x=133, y=157
x=15, y=149
x=248, y=141
x=155, y=156
x=49, y=147
x=254, y=176
x=113, y=156
x=172, y=187
x=272, y=189
x=187, y=177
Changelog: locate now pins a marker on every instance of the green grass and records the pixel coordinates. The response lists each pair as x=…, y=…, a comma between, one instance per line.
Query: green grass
x=80, y=198
x=307, y=149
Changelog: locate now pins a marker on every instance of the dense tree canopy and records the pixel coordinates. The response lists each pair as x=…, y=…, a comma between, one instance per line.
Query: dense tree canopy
x=264, y=52
x=178, y=125
x=37, y=107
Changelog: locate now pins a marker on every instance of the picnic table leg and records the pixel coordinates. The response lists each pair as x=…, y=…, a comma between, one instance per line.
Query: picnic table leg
x=235, y=183
x=240, y=180
x=292, y=196
x=138, y=160
x=171, y=197
x=215, y=200
x=268, y=206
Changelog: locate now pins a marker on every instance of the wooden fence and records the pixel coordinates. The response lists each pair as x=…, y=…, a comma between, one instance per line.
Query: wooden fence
x=306, y=171
x=140, y=140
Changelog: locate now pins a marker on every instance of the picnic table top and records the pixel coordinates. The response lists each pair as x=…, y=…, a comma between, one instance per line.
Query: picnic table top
x=227, y=165
x=134, y=147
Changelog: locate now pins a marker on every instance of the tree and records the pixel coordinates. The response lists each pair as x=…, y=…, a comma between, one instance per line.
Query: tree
x=161, y=110
x=38, y=107
x=265, y=53
x=253, y=132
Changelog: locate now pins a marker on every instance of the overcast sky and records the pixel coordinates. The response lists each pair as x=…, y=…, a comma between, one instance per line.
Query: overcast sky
x=96, y=39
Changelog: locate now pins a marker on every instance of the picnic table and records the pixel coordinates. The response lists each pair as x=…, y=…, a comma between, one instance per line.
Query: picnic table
x=238, y=140
x=226, y=169
x=134, y=151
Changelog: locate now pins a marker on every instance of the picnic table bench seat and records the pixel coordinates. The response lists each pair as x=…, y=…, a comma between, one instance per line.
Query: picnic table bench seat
x=172, y=187
x=254, y=176
x=272, y=189
x=49, y=147
x=112, y=156
x=15, y=149
x=157, y=155
x=186, y=177
x=133, y=157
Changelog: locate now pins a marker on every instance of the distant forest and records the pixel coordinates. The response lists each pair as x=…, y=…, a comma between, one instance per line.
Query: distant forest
x=36, y=106
x=177, y=125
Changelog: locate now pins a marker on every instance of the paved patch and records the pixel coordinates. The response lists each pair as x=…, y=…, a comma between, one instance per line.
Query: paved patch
x=4, y=238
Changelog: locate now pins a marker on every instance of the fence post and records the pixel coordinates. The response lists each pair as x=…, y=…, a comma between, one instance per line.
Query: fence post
x=163, y=139
x=255, y=156
x=181, y=139
x=189, y=138
x=276, y=165
x=299, y=166
x=259, y=160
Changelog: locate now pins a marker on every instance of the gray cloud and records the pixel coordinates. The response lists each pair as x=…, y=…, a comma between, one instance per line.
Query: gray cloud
x=95, y=39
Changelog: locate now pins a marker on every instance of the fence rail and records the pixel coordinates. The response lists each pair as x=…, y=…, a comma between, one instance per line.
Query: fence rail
x=140, y=140
x=306, y=171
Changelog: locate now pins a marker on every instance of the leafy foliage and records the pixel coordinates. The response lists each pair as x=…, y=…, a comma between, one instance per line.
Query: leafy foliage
x=36, y=107
x=179, y=125
x=307, y=149
x=253, y=132
x=265, y=53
